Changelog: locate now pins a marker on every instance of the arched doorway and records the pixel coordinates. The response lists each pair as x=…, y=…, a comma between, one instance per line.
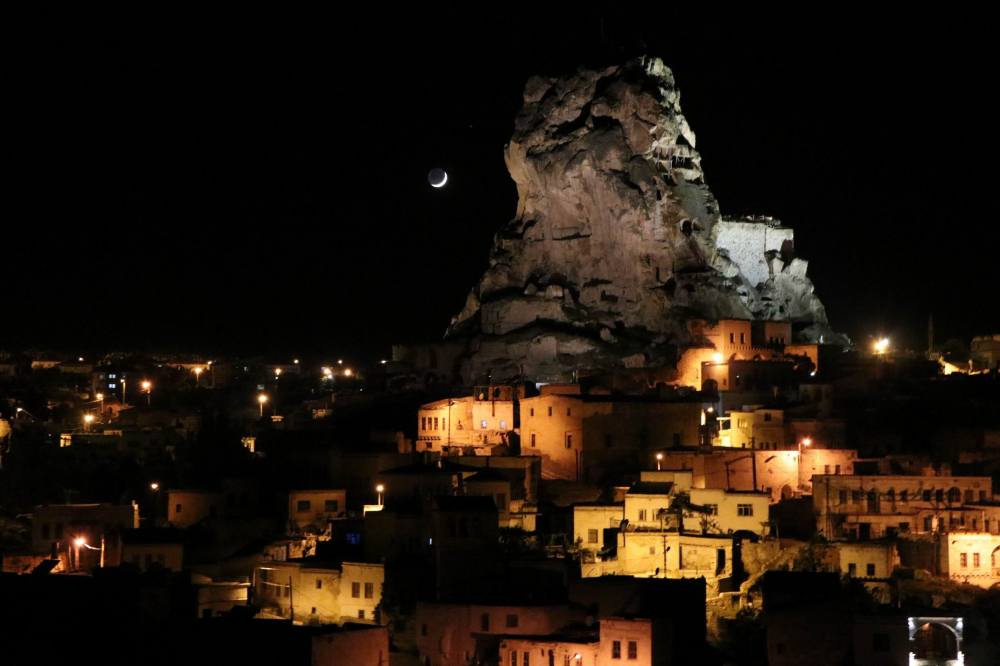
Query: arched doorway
x=935, y=641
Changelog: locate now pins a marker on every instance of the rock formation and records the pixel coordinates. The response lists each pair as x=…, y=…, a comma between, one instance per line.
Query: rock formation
x=618, y=242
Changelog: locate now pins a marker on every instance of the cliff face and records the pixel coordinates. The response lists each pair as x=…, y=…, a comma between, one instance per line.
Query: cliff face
x=618, y=241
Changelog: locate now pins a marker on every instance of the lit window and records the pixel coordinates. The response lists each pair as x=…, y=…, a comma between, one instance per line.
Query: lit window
x=483, y=424
x=112, y=385
x=503, y=425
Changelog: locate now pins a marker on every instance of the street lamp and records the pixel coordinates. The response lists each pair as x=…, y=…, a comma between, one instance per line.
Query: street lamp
x=154, y=486
x=197, y=376
x=881, y=346
x=262, y=399
x=347, y=372
x=88, y=419
x=79, y=542
x=100, y=396
x=147, y=388
x=717, y=358
x=659, y=457
x=380, y=489
x=277, y=372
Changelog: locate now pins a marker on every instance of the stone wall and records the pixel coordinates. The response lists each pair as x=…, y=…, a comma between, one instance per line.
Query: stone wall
x=747, y=244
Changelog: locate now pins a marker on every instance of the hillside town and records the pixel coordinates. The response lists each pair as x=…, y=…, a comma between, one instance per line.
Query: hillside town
x=379, y=509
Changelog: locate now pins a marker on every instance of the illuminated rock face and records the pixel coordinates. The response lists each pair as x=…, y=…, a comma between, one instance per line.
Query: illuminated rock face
x=618, y=241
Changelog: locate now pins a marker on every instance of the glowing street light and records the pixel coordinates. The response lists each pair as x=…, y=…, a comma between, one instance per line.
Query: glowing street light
x=262, y=399
x=383, y=361
x=88, y=419
x=340, y=361
x=347, y=372
x=296, y=361
x=100, y=396
x=147, y=388
x=154, y=486
x=659, y=458
x=380, y=489
x=197, y=376
x=79, y=542
x=277, y=372
x=717, y=358
x=881, y=346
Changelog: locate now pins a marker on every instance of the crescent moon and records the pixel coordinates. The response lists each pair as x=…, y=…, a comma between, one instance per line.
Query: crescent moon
x=441, y=184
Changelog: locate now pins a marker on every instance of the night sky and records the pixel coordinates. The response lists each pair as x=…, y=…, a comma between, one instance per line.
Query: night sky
x=239, y=183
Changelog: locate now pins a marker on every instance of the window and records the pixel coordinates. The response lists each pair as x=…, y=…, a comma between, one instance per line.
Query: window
x=890, y=495
x=533, y=442
x=975, y=560
x=482, y=424
x=767, y=417
x=970, y=496
x=642, y=514
x=552, y=658
x=566, y=659
x=356, y=590
x=361, y=613
x=501, y=501
x=503, y=425
x=550, y=411
x=287, y=589
x=903, y=496
x=369, y=590
x=826, y=469
x=526, y=658
x=744, y=509
x=513, y=658
x=880, y=642
x=484, y=622
x=591, y=536
x=436, y=423
x=532, y=411
x=927, y=495
x=112, y=385
x=869, y=569
x=954, y=496
x=59, y=530
x=652, y=550
x=319, y=584
x=964, y=560
x=939, y=495
x=743, y=338
x=45, y=530
x=843, y=497
x=713, y=509
x=633, y=650
x=928, y=524
x=982, y=495
x=569, y=441
x=444, y=424
x=677, y=440
x=423, y=423
x=512, y=621
x=616, y=649
x=332, y=506
x=836, y=469
x=569, y=411
x=732, y=338
x=904, y=527
x=852, y=569
x=305, y=506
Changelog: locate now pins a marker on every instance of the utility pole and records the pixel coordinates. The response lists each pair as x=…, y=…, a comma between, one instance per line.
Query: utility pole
x=753, y=460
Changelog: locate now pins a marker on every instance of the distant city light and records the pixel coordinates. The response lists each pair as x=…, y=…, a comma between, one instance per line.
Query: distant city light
x=347, y=372
x=296, y=361
x=340, y=361
x=146, y=385
x=383, y=361
x=806, y=442
x=80, y=358
x=154, y=486
x=277, y=372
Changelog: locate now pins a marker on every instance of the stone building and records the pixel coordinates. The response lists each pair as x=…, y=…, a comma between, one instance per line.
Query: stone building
x=974, y=558
x=312, y=510
x=781, y=474
x=56, y=528
x=457, y=634
x=986, y=351
x=311, y=591
x=753, y=428
x=869, y=507
x=471, y=425
x=585, y=436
